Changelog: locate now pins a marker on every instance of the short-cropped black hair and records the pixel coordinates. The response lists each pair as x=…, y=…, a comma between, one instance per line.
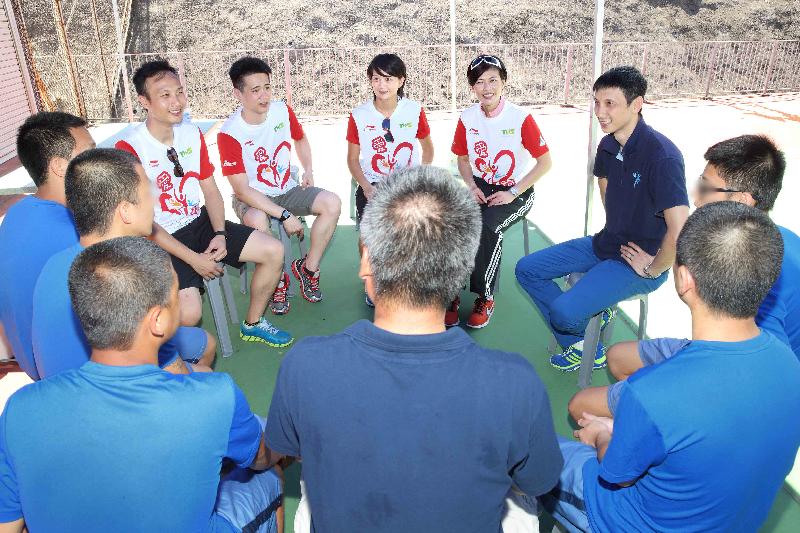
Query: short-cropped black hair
x=246, y=66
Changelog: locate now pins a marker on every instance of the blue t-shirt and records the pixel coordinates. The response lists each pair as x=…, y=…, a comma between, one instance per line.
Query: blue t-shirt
x=59, y=343
x=105, y=448
x=32, y=231
x=404, y=433
x=707, y=436
x=780, y=311
x=643, y=179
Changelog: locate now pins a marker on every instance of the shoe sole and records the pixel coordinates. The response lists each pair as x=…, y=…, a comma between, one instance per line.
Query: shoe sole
x=454, y=324
x=253, y=338
x=299, y=278
x=576, y=367
x=274, y=312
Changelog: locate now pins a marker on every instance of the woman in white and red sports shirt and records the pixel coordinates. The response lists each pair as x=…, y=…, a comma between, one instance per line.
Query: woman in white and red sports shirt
x=386, y=133
x=495, y=142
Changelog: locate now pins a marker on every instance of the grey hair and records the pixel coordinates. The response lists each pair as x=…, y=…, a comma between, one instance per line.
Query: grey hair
x=114, y=283
x=421, y=229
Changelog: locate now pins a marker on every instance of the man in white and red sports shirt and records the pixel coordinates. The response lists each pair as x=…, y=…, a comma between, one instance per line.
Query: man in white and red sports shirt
x=255, y=149
x=173, y=152
x=495, y=141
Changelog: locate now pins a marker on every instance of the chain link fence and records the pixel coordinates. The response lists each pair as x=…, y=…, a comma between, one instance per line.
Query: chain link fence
x=332, y=81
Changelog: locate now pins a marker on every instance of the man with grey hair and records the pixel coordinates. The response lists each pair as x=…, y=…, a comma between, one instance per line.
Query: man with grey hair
x=403, y=425
x=120, y=445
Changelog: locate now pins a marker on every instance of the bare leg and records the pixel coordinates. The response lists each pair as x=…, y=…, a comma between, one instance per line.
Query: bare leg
x=623, y=359
x=209, y=354
x=592, y=400
x=191, y=306
x=257, y=219
x=327, y=207
x=267, y=254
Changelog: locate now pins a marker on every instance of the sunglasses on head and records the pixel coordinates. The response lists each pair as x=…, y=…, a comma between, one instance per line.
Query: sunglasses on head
x=172, y=155
x=489, y=60
x=386, y=127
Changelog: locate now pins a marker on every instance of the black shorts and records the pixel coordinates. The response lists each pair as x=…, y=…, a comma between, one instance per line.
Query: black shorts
x=196, y=236
x=361, y=203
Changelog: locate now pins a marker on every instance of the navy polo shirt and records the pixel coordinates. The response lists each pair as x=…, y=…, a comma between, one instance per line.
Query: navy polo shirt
x=403, y=433
x=644, y=177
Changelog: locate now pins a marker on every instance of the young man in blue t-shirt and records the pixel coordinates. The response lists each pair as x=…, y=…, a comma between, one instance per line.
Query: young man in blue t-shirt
x=747, y=169
x=699, y=442
x=403, y=425
x=109, y=196
x=120, y=445
x=643, y=187
x=37, y=226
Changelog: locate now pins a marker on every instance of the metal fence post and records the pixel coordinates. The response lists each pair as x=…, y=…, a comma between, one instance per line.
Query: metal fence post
x=712, y=66
x=770, y=67
x=568, y=75
x=645, y=51
x=287, y=76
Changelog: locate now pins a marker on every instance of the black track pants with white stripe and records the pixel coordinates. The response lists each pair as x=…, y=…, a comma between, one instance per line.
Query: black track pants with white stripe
x=496, y=220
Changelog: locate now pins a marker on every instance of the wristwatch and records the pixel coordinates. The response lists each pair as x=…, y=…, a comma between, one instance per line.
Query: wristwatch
x=221, y=232
x=285, y=215
x=513, y=190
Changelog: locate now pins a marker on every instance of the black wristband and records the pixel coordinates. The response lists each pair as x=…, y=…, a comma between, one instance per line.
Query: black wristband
x=221, y=232
x=285, y=215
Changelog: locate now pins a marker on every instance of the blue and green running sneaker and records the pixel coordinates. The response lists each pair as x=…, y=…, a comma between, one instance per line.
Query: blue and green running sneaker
x=606, y=317
x=570, y=359
x=265, y=332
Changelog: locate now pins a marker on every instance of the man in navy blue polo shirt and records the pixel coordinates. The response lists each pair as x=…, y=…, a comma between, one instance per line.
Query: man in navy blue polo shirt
x=643, y=187
x=703, y=440
x=403, y=425
x=120, y=445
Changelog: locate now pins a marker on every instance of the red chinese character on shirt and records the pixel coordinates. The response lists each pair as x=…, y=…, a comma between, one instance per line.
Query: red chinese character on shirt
x=481, y=149
x=260, y=155
x=164, y=181
x=379, y=144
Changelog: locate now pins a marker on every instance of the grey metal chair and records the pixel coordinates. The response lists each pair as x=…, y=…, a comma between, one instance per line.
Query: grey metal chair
x=223, y=308
x=592, y=337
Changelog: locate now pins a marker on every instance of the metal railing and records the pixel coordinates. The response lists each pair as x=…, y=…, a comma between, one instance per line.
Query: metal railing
x=332, y=81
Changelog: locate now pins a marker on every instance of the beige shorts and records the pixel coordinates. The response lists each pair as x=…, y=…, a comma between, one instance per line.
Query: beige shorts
x=297, y=200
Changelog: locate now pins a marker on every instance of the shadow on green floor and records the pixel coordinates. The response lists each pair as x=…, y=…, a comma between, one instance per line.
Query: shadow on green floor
x=516, y=326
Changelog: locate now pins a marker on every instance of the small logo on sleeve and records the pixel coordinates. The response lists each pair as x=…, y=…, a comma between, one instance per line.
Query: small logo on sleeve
x=228, y=164
x=636, y=179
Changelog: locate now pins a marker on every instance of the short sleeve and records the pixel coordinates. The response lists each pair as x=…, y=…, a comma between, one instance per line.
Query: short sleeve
x=10, y=506
x=352, y=131
x=282, y=435
x=423, y=129
x=654, y=351
x=668, y=184
x=230, y=155
x=206, y=168
x=600, y=169
x=532, y=138
x=636, y=444
x=460, y=140
x=295, y=128
x=244, y=437
x=124, y=145
x=538, y=472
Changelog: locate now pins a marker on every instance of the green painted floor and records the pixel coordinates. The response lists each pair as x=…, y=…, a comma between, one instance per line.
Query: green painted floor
x=515, y=326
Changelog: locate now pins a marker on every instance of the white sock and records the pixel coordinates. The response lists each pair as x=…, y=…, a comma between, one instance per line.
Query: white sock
x=578, y=345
